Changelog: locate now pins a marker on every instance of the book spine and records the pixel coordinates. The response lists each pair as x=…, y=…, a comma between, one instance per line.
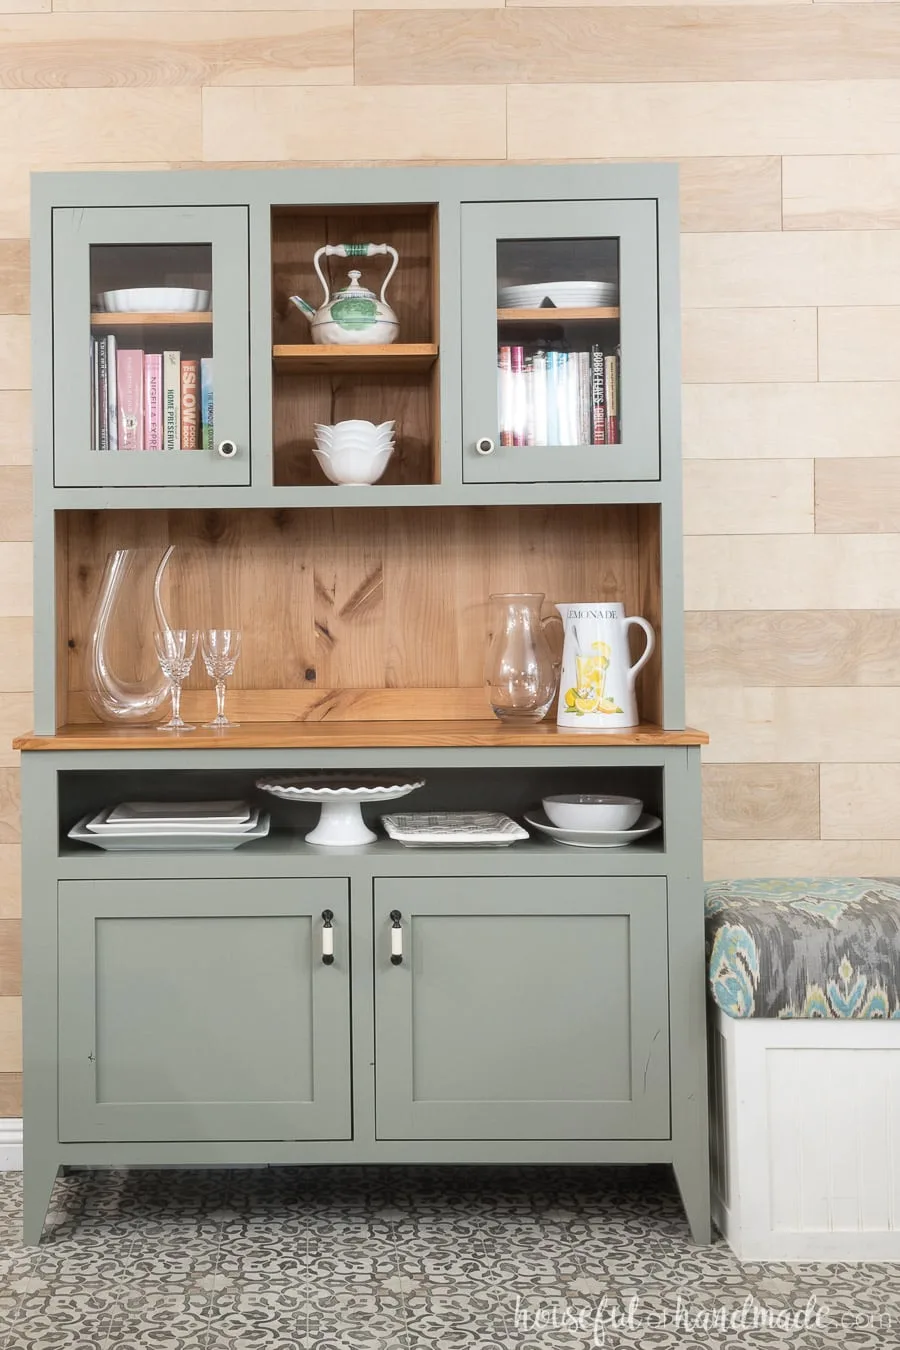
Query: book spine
x=504, y=394
x=619, y=395
x=612, y=432
x=598, y=396
x=207, y=436
x=153, y=401
x=112, y=393
x=529, y=401
x=539, y=396
x=520, y=417
x=564, y=435
x=553, y=398
x=190, y=405
x=130, y=379
x=172, y=400
x=584, y=398
x=102, y=397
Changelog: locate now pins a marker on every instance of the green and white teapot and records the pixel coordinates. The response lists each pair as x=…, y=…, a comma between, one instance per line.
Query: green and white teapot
x=352, y=314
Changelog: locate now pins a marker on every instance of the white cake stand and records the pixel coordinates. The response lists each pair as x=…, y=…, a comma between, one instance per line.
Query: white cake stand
x=340, y=795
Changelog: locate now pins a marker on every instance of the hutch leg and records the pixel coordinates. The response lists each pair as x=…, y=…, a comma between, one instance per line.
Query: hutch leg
x=38, y=1176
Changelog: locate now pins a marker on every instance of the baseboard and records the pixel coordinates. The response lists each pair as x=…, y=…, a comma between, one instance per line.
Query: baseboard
x=10, y=1145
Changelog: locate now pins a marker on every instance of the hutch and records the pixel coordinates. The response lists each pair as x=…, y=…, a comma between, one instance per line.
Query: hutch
x=550, y=1003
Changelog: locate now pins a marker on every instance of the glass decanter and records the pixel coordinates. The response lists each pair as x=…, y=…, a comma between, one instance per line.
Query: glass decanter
x=520, y=672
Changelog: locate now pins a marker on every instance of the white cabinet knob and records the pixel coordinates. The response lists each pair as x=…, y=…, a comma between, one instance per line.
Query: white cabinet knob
x=484, y=446
x=227, y=449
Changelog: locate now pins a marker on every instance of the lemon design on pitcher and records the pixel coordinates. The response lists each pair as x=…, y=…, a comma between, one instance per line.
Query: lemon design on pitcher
x=589, y=693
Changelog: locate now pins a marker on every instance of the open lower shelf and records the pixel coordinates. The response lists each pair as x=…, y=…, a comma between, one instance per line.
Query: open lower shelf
x=312, y=359
x=103, y=320
x=351, y=735
x=556, y=315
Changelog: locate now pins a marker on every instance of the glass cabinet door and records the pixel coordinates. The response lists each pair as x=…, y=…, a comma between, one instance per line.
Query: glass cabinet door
x=151, y=347
x=560, y=361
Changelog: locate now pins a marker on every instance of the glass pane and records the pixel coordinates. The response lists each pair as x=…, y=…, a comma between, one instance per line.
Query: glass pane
x=558, y=340
x=151, y=347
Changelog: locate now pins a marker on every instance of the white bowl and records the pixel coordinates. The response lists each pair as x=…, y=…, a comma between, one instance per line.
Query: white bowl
x=155, y=300
x=592, y=811
x=354, y=425
x=353, y=468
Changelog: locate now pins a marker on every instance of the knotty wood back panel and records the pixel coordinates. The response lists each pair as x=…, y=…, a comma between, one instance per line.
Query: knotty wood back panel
x=368, y=600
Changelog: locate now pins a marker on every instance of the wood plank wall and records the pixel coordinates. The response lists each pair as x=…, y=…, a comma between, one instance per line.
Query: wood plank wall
x=786, y=120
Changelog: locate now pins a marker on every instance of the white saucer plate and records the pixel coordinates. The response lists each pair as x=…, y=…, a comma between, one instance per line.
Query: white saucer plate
x=593, y=838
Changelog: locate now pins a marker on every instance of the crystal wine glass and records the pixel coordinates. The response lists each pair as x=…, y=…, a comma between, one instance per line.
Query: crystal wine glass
x=221, y=648
x=175, y=650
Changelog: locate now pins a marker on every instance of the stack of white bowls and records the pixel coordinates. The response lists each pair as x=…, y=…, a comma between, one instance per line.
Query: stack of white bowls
x=354, y=453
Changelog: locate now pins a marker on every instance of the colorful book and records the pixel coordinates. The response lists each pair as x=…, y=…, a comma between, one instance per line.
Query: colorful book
x=102, y=397
x=612, y=400
x=504, y=394
x=552, y=398
x=584, y=398
x=153, y=401
x=207, y=437
x=519, y=398
x=190, y=404
x=112, y=393
x=172, y=400
x=539, y=397
x=598, y=396
x=130, y=397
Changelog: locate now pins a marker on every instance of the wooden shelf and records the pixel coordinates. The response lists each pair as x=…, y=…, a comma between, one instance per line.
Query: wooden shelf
x=557, y=315
x=313, y=358
x=351, y=735
x=151, y=320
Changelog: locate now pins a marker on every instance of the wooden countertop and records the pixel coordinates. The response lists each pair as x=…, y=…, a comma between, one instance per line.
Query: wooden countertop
x=351, y=735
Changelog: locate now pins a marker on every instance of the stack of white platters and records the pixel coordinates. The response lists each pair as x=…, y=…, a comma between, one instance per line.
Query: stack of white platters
x=172, y=826
x=562, y=294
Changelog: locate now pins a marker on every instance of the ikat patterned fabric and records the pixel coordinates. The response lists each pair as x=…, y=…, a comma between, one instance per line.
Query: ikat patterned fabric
x=805, y=946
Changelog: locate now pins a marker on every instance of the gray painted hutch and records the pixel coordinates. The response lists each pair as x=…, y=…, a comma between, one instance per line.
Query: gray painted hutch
x=550, y=1004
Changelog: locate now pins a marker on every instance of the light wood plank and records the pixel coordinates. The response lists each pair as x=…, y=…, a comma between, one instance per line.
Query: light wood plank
x=797, y=725
x=320, y=735
x=15, y=580
x=746, y=496
x=734, y=345
x=520, y=45
x=761, y=801
x=841, y=192
x=244, y=6
x=15, y=426
x=10, y=1035
x=856, y=496
x=14, y=276
x=25, y=6
x=10, y=825
x=16, y=715
x=57, y=127
x=618, y=3
x=15, y=503
x=10, y=881
x=15, y=351
x=825, y=267
x=843, y=647
x=723, y=193
x=115, y=50
x=803, y=858
x=15, y=655
x=783, y=421
x=10, y=1096
x=815, y=571
x=10, y=958
x=859, y=801
x=375, y=124
x=107, y=321
x=566, y=121
x=320, y=703
x=859, y=343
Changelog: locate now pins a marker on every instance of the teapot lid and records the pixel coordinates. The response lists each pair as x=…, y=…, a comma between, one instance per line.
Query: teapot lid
x=354, y=291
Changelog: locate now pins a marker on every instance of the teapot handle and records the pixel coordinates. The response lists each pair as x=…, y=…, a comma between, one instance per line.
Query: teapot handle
x=355, y=251
x=648, y=650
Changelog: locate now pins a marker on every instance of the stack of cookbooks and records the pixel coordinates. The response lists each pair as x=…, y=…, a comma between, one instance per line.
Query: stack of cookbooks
x=149, y=400
x=552, y=397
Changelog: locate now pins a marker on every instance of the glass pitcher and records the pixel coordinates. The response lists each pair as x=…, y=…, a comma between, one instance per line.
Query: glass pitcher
x=520, y=672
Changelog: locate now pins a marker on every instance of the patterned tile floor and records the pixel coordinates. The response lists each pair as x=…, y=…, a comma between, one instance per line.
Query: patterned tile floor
x=408, y=1259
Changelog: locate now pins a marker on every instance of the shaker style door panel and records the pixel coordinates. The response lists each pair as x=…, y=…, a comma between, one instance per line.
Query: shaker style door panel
x=151, y=363
x=522, y=1008
x=203, y=1010
x=560, y=350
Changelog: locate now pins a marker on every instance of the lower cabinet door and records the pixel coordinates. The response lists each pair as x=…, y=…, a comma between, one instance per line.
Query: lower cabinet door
x=202, y=1010
x=521, y=1008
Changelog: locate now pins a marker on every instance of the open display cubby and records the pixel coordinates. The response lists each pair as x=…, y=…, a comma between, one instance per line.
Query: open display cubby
x=352, y=615
x=329, y=384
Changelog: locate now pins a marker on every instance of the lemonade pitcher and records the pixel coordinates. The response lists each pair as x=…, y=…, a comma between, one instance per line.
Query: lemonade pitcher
x=596, y=690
